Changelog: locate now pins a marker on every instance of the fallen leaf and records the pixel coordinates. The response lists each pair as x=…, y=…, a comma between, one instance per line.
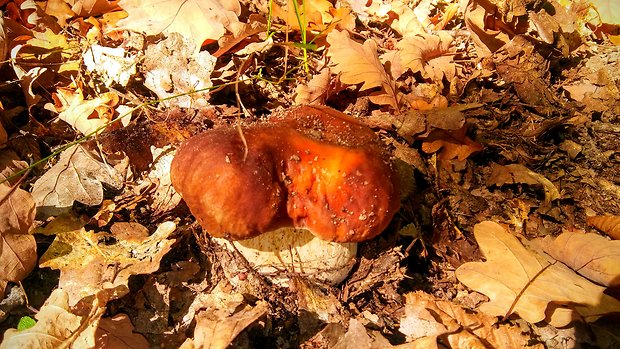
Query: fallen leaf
x=315, y=92
x=480, y=19
x=360, y=64
x=56, y=327
x=88, y=8
x=418, y=322
x=451, y=144
x=18, y=249
x=429, y=54
x=193, y=19
x=518, y=280
x=517, y=173
x=609, y=225
x=58, y=9
x=224, y=317
x=117, y=333
x=591, y=255
x=607, y=10
x=464, y=325
x=317, y=15
x=88, y=264
x=85, y=115
x=78, y=175
x=164, y=197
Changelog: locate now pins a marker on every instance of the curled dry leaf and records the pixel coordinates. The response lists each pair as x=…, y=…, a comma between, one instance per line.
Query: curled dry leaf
x=609, y=225
x=360, y=64
x=429, y=54
x=84, y=115
x=487, y=39
x=517, y=173
x=198, y=20
x=518, y=280
x=78, y=175
x=225, y=317
x=88, y=264
x=591, y=255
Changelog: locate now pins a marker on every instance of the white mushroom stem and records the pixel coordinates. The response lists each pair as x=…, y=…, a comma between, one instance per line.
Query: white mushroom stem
x=282, y=253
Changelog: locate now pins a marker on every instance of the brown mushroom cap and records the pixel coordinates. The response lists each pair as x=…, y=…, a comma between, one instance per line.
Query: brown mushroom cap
x=310, y=167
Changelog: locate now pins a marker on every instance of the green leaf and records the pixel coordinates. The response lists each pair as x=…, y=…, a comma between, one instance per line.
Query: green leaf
x=25, y=323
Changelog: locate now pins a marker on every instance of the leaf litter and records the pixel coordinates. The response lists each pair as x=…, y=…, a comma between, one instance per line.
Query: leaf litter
x=501, y=116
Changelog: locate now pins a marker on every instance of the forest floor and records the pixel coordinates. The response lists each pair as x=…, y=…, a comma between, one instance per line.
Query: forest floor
x=501, y=118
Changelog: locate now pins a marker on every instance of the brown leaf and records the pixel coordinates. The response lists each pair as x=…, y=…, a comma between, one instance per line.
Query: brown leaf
x=454, y=144
x=360, y=64
x=117, y=333
x=609, y=225
x=193, y=19
x=78, y=175
x=521, y=281
x=591, y=255
x=18, y=249
x=517, y=173
x=315, y=92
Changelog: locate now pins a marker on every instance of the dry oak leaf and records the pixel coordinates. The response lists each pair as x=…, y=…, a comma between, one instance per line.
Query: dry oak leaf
x=609, y=225
x=518, y=280
x=78, y=175
x=429, y=54
x=199, y=20
x=56, y=327
x=519, y=174
x=360, y=64
x=89, y=264
x=18, y=249
x=454, y=144
x=591, y=255
x=465, y=326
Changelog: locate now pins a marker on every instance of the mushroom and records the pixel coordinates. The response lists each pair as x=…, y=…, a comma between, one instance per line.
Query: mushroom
x=309, y=168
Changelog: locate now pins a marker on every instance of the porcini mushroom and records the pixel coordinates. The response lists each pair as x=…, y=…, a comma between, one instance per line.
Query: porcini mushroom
x=310, y=167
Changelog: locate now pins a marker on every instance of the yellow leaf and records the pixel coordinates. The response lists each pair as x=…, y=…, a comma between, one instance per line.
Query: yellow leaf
x=608, y=10
x=85, y=115
x=591, y=255
x=88, y=264
x=198, y=20
x=360, y=64
x=56, y=326
x=521, y=281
